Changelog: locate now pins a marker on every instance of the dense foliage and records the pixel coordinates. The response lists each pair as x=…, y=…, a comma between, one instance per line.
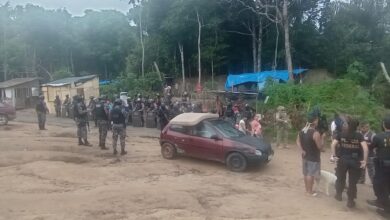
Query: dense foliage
x=348, y=38
x=338, y=96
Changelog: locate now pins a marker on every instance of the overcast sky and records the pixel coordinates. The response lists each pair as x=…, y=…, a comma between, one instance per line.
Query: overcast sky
x=75, y=7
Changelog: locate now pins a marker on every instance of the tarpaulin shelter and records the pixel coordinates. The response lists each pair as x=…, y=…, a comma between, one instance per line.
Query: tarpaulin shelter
x=260, y=78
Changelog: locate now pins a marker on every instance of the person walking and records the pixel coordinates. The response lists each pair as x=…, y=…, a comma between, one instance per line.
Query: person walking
x=91, y=107
x=310, y=141
x=282, y=127
x=118, y=119
x=57, y=106
x=351, y=158
x=42, y=110
x=81, y=118
x=102, y=116
x=256, y=126
x=381, y=181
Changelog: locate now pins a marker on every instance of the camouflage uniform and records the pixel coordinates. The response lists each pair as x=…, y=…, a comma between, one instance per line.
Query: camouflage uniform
x=102, y=112
x=118, y=117
x=41, y=109
x=282, y=127
x=81, y=122
x=118, y=130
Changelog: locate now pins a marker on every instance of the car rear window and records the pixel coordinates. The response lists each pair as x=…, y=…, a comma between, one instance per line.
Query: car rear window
x=178, y=128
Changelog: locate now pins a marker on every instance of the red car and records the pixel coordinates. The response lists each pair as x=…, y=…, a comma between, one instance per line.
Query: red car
x=205, y=136
x=7, y=113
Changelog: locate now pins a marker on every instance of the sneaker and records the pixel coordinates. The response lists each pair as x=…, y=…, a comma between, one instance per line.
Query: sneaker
x=351, y=204
x=338, y=197
x=376, y=203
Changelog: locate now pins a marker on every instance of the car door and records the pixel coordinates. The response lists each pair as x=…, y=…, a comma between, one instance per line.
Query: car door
x=205, y=142
x=179, y=136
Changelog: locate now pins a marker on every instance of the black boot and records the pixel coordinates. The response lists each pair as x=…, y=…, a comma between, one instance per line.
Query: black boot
x=123, y=152
x=103, y=147
x=80, y=141
x=86, y=143
x=115, y=152
x=338, y=197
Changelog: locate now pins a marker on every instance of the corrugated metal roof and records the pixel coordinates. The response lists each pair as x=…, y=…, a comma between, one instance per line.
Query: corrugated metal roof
x=70, y=80
x=16, y=82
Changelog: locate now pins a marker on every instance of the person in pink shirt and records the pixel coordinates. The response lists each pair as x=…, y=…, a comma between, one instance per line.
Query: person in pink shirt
x=256, y=126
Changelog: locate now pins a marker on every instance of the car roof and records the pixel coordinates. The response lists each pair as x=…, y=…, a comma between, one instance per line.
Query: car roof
x=191, y=119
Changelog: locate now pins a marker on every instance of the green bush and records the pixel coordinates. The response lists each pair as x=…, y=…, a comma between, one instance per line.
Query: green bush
x=338, y=96
x=133, y=85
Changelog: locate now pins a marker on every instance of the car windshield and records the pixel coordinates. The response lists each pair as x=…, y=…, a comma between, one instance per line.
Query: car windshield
x=226, y=129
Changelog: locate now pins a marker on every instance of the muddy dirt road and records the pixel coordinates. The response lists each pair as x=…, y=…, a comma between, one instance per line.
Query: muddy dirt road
x=46, y=175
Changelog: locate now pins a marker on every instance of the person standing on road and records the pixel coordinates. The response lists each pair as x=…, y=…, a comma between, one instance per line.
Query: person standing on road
x=42, y=110
x=102, y=114
x=310, y=141
x=256, y=126
x=351, y=158
x=163, y=116
x=66, y=105
x=91, y=107
x=381, y=184
x=81, y=118
x=282, y=127
x=368, y=136
x=118, y=119
x=57, y=106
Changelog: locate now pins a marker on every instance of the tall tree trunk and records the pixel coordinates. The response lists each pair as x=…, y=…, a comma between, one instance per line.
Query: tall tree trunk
x=182, y=66
x=254, y=52
x=5, y=61
x=287, y=45
x=71, y=62
x=212, y=73
x=275, y=64
x=199, y=52
x=142, y=43
x=259, y=45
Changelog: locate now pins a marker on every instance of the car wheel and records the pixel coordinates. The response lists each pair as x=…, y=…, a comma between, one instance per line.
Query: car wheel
x=168, y=151
x=236, y=162
x=3, y=120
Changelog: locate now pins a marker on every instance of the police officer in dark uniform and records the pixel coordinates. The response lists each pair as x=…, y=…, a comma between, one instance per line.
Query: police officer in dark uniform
x=101, y=114
x=118, y=118
x=163, y=116
x=381, y=184
x=351, y=158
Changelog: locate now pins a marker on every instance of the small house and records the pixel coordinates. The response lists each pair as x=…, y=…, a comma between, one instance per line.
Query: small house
x=20, y=92
x=85, y=86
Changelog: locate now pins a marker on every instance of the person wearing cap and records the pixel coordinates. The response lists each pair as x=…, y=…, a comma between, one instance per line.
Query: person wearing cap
x=282, y=126
x=118, y=119
x=381, y=184
x=351, y=158
x=81, y=118
x=310, y=142
x=42, y=110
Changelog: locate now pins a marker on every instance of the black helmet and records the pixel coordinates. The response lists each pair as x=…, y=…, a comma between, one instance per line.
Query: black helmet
x=118, y=102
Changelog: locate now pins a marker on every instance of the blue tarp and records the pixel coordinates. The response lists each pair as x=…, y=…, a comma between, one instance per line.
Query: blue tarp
x=259, y=78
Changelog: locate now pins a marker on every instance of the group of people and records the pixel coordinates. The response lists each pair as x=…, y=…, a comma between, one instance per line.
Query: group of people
x=355, y=148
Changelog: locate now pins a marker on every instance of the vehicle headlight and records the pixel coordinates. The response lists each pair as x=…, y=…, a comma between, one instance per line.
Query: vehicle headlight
x=258, y=153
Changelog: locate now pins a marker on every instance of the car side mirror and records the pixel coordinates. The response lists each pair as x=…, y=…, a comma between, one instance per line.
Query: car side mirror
x=215, y=137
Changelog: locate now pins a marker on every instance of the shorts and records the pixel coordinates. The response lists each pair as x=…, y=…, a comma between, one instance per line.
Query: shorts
x=311, y=168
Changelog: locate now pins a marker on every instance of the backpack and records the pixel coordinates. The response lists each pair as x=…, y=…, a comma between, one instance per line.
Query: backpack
x=40, y=107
